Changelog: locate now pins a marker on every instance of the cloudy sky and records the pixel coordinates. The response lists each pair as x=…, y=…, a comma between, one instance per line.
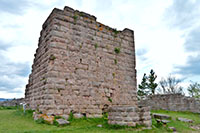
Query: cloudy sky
x=167, y=35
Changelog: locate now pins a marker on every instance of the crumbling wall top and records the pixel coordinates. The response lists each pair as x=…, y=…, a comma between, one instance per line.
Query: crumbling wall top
x=83, y=14
x=69, y=11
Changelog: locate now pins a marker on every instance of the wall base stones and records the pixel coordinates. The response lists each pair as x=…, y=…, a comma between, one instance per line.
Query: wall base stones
x=129, y=116
x=172, y=102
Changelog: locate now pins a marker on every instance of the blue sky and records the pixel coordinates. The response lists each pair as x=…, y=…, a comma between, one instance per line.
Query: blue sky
x=167, y=35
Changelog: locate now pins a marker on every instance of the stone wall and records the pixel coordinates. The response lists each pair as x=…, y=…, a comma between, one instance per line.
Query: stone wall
x=14, y=102
x=81, y=66
x=172, y=102
x=128, y=115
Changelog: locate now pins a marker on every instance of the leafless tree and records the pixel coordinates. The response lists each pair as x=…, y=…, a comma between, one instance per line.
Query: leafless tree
x=194, y=90
x=171, y=85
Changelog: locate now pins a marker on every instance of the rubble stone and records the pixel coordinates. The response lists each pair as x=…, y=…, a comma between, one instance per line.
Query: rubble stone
x=65, y=117
x=185, y=120
x=62, y=122
x=161, y=116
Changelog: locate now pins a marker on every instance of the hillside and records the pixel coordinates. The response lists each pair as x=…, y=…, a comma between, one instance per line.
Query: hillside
x=3, y=99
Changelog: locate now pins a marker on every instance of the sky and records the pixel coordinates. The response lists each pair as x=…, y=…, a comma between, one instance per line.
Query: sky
x=167, y=36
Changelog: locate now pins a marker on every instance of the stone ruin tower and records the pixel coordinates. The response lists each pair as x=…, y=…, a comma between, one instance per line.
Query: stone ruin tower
x=84, y=67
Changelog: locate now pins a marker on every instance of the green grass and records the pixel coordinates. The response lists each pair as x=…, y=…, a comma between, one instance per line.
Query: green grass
x=9, y=107
x=181, y=126
x=14, y=121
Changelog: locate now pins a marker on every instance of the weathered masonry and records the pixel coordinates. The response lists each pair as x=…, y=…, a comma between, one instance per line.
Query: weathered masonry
x=172, y=102
x=82, y=66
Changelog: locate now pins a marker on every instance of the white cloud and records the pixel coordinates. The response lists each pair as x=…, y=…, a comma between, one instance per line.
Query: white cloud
x=164, y=45
x=4, y=94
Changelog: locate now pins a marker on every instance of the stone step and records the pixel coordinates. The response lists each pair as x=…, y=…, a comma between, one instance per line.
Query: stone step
x=62, y=122
x=185, y=120
x=160, y=116
x=162, y=121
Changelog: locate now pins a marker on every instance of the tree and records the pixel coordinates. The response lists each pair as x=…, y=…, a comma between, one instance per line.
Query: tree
x=152, y=85
x=143, y=91
x=194, y=90
x=170, y=85
x=148, y=85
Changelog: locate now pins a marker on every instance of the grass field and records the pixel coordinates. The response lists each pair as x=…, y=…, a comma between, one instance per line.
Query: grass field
x=14, y=121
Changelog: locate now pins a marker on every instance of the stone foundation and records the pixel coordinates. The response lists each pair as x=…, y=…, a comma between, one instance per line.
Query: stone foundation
x=129, y=116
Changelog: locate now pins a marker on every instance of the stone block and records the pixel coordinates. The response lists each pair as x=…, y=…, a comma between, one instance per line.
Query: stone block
x=65, y=117
x=62, y=122
x=118, y=118
x=127, y=119
x=131, y=124
x=185, y=120
x=133, y=116
x=161, y=116
x=112, y=122
x=78, y=115
x=147, y=123
x=121, y=123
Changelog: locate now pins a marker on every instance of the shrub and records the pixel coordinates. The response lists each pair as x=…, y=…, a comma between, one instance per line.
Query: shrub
x=52, y=57
x=71, y=116
x=40, y=121
x=96, y=46
x=115, y=61
x=117, y=50
x=116, y=32
x=110, y=100
x=75, y=18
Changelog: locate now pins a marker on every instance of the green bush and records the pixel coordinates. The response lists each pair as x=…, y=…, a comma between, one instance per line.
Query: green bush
x=55, y=122
x=96, y=46
x=110, y=100
x=115, y=61
x=9, y=107
x=40, y=121
x=115, y=32
x=117, y=50
x=75, y=18
x=52, y=57
x=71, y=116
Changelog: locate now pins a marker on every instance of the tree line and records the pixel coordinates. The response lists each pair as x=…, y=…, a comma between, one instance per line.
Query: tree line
x=168, y=85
